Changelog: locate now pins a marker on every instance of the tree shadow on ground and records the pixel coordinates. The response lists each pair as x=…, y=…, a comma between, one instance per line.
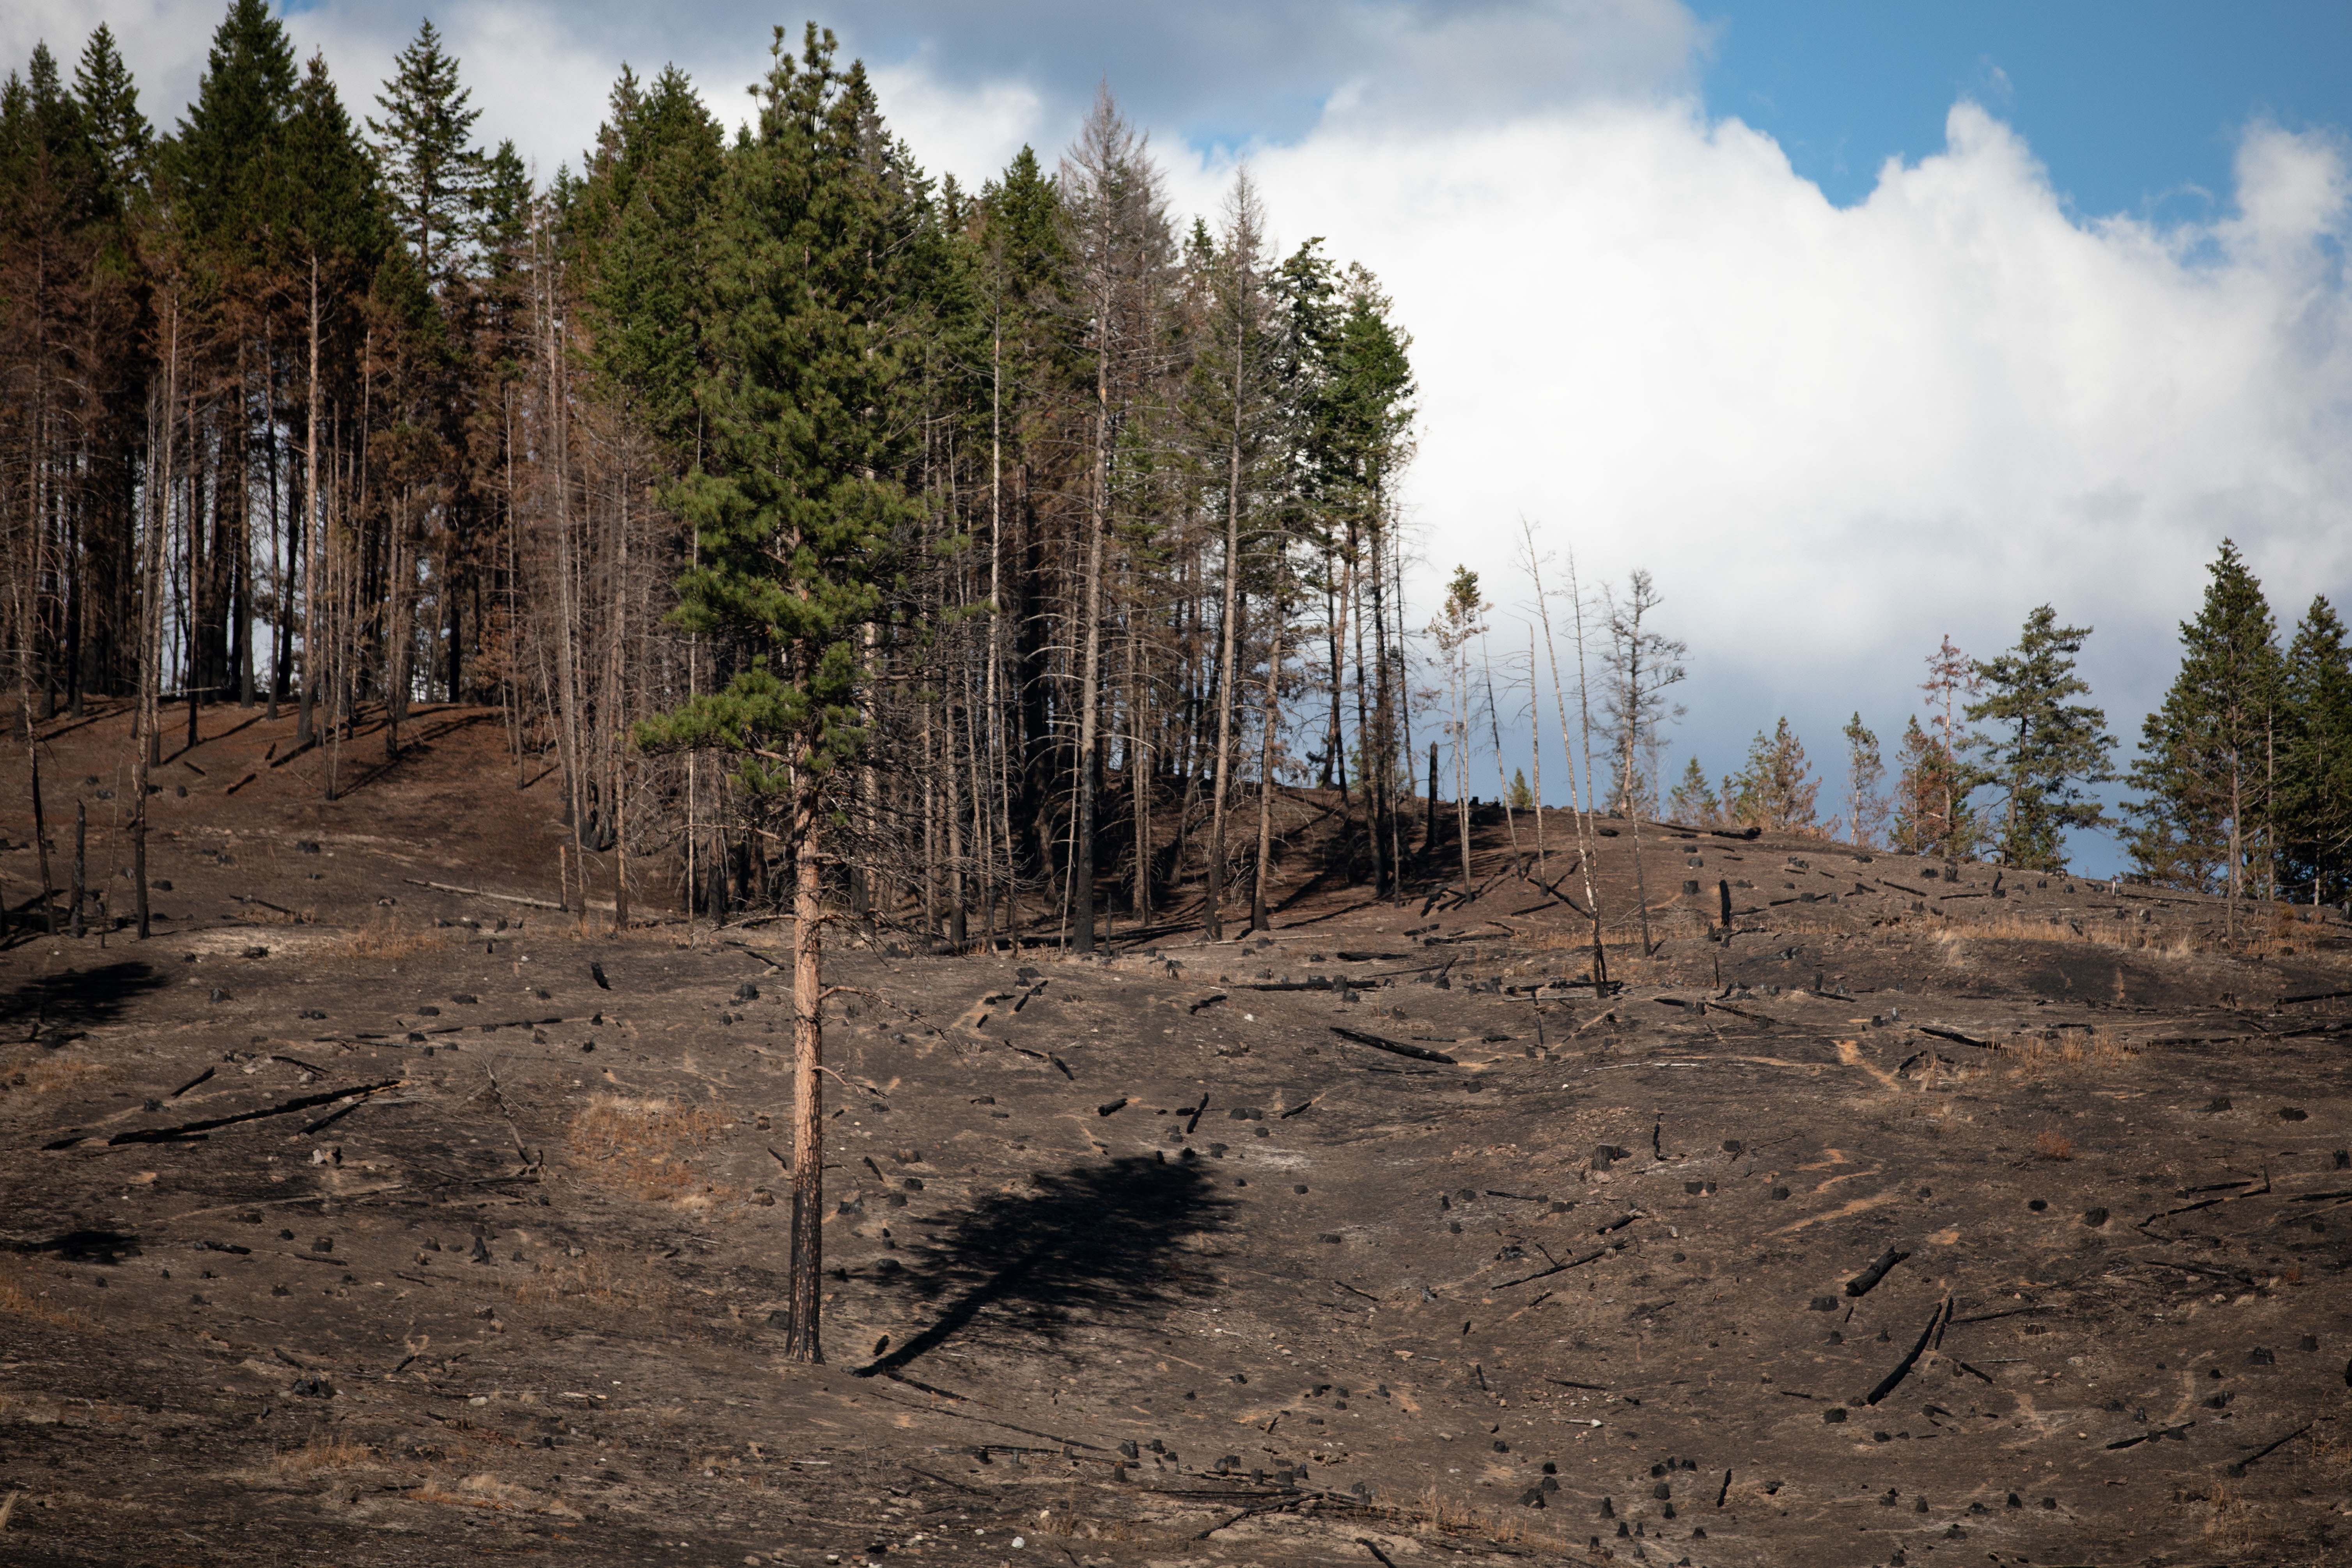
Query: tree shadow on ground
x=77, y=998
x=1088, y=1242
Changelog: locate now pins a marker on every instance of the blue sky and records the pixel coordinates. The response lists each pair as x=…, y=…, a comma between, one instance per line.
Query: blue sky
x=2134, y=108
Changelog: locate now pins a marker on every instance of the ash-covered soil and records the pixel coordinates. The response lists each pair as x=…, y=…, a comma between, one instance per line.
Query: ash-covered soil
x=1993, y=1219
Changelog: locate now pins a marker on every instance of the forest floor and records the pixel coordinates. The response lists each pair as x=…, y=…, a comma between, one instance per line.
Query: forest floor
x=1993, y=1219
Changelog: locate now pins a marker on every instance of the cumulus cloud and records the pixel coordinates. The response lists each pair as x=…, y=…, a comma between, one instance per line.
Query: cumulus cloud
x=1835, y=433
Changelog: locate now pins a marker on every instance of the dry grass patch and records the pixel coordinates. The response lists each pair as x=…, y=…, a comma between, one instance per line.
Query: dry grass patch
x=485, y=1490
x=646, y=1148
x=20, y=1299
x=1434, y=1514
x=53, y=1075
x=323, y=1453
x=2098, y=1048
x=627, y=1285
x=2095, y=931
x=2228, y=1517
x=2053, y=1144
x=385, y=937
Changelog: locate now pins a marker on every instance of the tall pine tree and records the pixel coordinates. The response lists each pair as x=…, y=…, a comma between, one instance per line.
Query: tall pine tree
x=433, y=172
x=2206, y=754
x=797, y=506
x=2042, y=752
x=2314, y=788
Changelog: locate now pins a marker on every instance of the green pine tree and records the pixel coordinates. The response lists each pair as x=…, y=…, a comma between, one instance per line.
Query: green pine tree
x=433, y=173
x=640, y=230
x=120, y=137
x=2206, y=753
x=326, y=202
x=1694, y=802
x=1776, y=790
x=221, y=162
x=2314, y=788
x=797, y=506
x=2042, y=753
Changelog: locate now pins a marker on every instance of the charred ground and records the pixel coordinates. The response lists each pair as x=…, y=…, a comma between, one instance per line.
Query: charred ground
x=342, y=1234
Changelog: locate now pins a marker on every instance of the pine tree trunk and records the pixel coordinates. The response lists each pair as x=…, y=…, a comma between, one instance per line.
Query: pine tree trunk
x=805, y=1268
x=40, y=825
x=1139, y=781
x=1258, y=920
x=1373, y=761
x=620, y=848
x=314, y=519
x=955, y=836
x=80, y=864
x=1215, y=922
x=1535, y=750
x=1082, y=843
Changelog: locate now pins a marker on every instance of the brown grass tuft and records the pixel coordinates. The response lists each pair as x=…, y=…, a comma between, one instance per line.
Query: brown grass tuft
x=480, y=1490
x=324, y=1453
x=52, y=1075
x=2228, y=1518
x=17, y=1300
x=629, y=1285
x=2053, y=1144
x=2100, y=1046
x=385, y=937
x=646, y=1148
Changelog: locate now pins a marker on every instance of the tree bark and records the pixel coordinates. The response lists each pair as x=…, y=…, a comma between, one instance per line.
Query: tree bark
x=1258, y=920
x=1215, y=922
x=313, y=516
x=806, y=1265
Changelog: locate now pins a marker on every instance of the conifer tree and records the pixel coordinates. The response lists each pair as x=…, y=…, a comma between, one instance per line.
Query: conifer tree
x=1694, y=801
x=1776, y=790
x=222, y=159
x=2206, y=753
x=121, y=139
x=2315, y=788
x=1926, y=820
x=639, y=229
x=1866, y=808
x=2044, y=752
x=433, y=172
x=797, y=504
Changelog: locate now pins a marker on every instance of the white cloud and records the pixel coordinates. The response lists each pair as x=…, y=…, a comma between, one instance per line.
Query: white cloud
x=1836, y=434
